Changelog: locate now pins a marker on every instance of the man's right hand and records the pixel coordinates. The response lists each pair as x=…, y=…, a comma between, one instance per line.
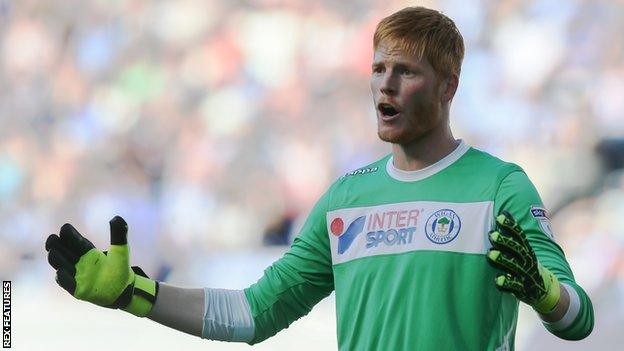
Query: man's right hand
x=103, y=278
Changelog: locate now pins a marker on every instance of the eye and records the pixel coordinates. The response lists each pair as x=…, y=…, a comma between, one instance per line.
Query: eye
x=378, y=69
x=407, y=72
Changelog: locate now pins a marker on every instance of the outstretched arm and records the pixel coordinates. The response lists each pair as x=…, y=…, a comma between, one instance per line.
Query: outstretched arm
x=287, y=291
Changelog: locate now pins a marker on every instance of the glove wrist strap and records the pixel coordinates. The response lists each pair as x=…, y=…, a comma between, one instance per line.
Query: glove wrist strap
x=548, y=303
x=144, y=295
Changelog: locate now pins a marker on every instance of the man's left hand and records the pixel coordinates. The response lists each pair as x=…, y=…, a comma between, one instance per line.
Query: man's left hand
x=523, y=276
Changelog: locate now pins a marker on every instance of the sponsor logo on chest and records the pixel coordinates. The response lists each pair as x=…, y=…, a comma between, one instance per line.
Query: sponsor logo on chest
x=403, y=227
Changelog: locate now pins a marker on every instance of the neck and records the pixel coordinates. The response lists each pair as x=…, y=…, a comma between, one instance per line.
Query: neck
x=425, y=151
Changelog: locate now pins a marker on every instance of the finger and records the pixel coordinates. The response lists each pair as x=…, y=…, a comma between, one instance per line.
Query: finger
x=509, y=283
x=506, y=262
x=66, y=281
x=54, y=243
x=50, y=241
x=118, y=231
x=73, y=240
x=58, y=261
x=508, y=244
x=508, y=226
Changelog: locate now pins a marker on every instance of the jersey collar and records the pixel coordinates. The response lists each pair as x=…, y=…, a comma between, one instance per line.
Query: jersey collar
x=412, y=176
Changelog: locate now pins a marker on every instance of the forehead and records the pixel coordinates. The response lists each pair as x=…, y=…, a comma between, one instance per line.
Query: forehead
x=396, y=54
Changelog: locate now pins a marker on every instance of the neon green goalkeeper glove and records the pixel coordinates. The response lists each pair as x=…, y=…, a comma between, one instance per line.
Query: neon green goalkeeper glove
x=524, y=276
x=103, y=278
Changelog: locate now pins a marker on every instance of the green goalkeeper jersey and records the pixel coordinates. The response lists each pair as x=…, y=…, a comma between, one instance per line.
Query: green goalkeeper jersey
x=405, y=254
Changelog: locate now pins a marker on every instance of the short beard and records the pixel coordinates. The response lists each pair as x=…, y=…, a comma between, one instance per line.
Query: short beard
x=413, y=130
x=402, y=137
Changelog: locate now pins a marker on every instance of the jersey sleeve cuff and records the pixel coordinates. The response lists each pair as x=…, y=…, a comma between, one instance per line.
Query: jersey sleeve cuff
x=227, y=316
x=570, y=315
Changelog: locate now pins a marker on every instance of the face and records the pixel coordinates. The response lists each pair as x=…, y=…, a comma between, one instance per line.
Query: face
x=408, y=96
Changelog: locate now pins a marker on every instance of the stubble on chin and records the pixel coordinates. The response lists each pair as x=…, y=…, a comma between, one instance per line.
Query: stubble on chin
x=399, y=136
x=409, y=131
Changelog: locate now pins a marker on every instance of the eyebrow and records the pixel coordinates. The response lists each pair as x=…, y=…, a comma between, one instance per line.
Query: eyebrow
x=395, y=63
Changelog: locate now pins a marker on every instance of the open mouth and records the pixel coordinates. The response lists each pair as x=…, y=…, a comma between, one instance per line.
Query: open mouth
x=387, y=110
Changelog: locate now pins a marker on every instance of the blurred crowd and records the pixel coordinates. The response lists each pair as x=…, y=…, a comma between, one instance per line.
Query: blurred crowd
x=206, y=124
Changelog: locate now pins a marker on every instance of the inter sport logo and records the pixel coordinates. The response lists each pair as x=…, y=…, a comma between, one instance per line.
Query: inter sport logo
x=443, y=226
x=383, y=228
x=346, y=238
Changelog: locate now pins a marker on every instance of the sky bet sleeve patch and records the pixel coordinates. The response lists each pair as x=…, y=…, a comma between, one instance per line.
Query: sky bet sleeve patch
x=541, y=215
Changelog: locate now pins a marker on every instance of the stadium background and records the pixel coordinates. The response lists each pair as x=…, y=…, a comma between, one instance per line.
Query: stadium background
x=213, y=126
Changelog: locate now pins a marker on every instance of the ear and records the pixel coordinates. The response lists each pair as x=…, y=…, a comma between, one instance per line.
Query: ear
x=449, y=87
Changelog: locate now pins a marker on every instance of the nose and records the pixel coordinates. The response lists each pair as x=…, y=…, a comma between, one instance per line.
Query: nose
x=388, y=84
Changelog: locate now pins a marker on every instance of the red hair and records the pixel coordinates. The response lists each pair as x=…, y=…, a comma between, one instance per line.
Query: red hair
x=424, y=33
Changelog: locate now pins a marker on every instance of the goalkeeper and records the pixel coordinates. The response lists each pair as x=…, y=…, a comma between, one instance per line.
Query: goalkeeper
x=429, y=248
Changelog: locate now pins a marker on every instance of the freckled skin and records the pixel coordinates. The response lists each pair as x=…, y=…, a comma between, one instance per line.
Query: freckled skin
x=421, y=133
